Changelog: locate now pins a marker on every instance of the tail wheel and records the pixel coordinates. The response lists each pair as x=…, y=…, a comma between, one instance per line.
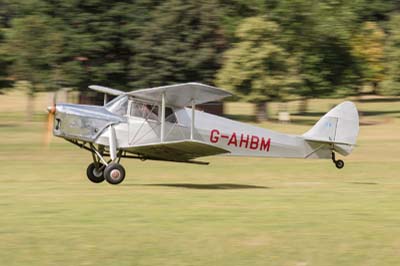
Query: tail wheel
x=95, y=174
x=339, y=164
x=114, y=173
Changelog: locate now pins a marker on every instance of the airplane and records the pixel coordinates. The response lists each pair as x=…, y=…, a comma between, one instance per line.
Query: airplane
x=162, y=123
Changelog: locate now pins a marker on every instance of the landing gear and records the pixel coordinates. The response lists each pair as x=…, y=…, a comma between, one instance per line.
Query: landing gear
x=101, y=170
x=338, y=163
x=114, y=173
x=95, y=174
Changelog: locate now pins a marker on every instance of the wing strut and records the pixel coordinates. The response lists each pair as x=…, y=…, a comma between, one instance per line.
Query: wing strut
x=162, y=117
x=105, y=99
x=192, y=124
x=113, y=143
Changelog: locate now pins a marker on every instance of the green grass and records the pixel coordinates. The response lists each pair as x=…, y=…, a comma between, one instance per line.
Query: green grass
x=236, y=211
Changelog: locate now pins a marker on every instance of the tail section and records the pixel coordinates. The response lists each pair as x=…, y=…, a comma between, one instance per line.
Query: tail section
x=339, y=128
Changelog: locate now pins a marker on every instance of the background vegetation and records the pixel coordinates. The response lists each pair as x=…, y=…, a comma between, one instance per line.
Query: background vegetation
x=263, y=50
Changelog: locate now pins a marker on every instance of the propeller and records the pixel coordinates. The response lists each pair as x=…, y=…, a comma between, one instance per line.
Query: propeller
x=50, y=121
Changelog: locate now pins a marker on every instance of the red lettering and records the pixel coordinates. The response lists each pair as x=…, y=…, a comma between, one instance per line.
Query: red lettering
x=265, y=145
x=254, y=142
x=243, y=140
x=214, y=136
x=233, y=140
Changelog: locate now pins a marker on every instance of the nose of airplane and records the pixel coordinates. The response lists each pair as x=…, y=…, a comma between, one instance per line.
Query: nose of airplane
x=50, y=118
x=51, y=109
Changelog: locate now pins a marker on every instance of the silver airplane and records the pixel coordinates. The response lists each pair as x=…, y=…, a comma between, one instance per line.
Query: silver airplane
x=162, y=123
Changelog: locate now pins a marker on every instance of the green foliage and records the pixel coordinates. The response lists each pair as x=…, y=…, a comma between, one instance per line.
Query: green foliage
x=368, y=46
x=34, y=48
x=5, y=12
x=319, y=48
x=100, y=37
x=391, y=84
x=318, y=34
x=4, y=63
x=257, y=67
x=181, y=42
x=233, y=12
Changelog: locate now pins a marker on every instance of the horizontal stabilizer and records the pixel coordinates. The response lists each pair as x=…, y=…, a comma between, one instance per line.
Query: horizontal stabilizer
x=180, y=151
x=328, y=141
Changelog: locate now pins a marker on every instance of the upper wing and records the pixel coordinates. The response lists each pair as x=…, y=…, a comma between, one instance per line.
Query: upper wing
x=179, y=151
x=105, y=90
x=181, y=95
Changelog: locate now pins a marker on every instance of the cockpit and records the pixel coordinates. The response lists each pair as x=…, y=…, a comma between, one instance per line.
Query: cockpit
x=150, y=111
x=122, y=104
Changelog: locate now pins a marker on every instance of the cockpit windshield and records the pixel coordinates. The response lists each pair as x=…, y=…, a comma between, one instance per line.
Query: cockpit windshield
x=118, y=106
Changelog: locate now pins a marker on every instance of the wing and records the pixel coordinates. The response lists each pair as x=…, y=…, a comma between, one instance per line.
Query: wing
x=180, y=151
x=181, y=95
x=105, y=90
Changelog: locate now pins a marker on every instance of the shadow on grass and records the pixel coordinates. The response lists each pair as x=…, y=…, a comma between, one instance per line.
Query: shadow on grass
x=363, y=183
x=8, y=125
x=378, y=100
x=373, y=113
x=252, y=118
x=242, y=118
x=317, y=114
x=207, y=186
x=304, y=122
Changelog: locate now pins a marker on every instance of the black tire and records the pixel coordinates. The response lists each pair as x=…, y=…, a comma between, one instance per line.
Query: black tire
x=114, y=173
x=93, y=174
x=339, y=164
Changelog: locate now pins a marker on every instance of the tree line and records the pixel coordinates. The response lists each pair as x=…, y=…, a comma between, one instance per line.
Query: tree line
x=262, y=50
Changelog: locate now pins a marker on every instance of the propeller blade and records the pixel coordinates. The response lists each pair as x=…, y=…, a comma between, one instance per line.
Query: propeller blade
x=50, y=121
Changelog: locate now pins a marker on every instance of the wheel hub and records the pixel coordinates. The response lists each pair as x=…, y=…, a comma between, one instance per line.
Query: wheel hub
x=115, y=174
x=97, y=173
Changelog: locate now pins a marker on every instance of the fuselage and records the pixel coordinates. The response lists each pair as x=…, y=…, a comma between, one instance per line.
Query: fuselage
x=91, y=124
x=155, y=124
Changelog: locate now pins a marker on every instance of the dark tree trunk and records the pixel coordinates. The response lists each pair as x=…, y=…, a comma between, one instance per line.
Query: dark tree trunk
x=261, y=111
x=375, y=88
x=30, y=106
x=303, y=107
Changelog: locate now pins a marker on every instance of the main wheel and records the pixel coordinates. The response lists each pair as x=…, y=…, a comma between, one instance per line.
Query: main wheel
x=339, y=164
x=114, y=173
x=95, y=175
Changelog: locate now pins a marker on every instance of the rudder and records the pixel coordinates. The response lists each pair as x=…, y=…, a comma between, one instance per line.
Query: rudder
x=339, y=127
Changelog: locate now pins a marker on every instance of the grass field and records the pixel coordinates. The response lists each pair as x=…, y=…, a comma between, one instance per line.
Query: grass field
x=236, y=211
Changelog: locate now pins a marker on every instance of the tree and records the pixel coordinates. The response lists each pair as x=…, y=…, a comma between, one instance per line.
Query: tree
x=317, y=33
x=4, y=63
x=257, y=68
x=181, y=42
x=368, y=48
x=5, y=15
x=99, y=39
x=391, y=84
x=35, y=49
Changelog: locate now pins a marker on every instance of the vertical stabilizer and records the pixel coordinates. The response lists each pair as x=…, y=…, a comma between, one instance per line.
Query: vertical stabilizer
x=340, y=127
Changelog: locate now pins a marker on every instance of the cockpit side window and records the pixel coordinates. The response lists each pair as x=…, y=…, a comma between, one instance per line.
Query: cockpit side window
x=170, y=116
x=144, y=110
x=151, y=111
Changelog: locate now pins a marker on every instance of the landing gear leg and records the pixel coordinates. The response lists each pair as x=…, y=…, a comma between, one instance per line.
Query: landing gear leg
x=338, y=163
